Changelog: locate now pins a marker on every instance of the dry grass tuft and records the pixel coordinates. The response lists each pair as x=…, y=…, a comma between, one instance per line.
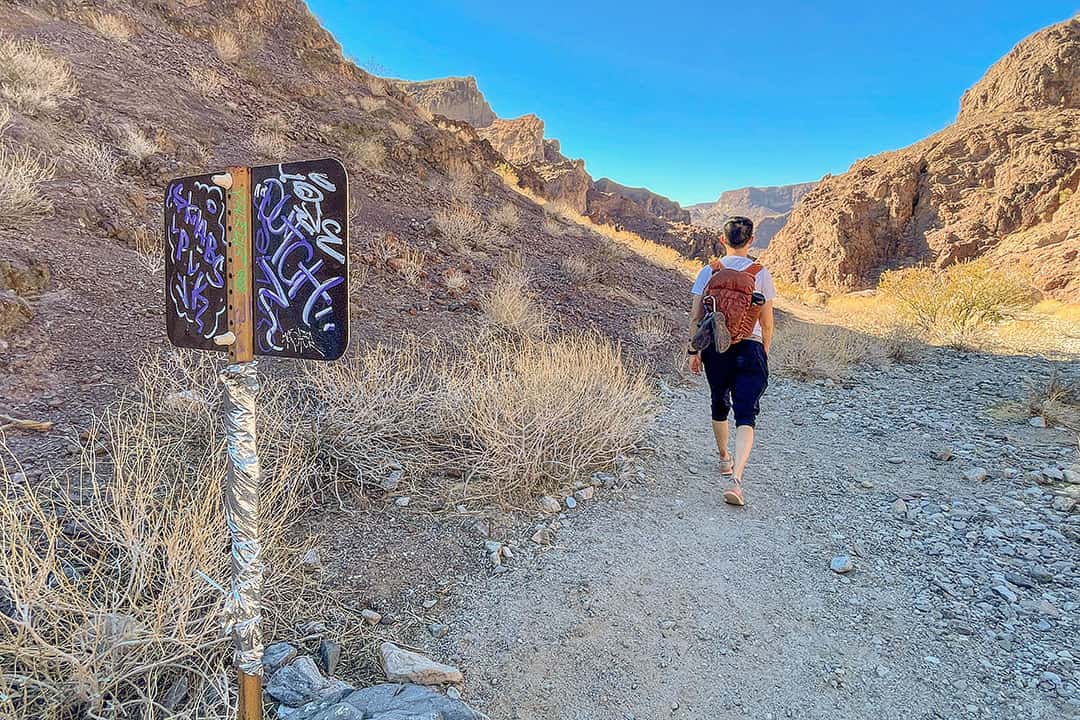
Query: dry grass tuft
x=5, y=118
x=94, y=159
x=22, y=171
x=456, y=281
x=113, y=27
x=270, y=143
x=653, y=331
x=225, y=46
x=461, y=226
x=402, y=131
x=372, y=104
x=581, y=270
x=409, y=263
x=512, y=308
x=553, y=227
x=506, y=217
x=809, y=351
x=208, y=81
x=1057, y=402
x=32, y=79
x=136, y=145
x=368, y=153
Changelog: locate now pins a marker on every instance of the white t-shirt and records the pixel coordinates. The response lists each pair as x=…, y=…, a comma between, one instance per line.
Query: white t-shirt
x=763, y=282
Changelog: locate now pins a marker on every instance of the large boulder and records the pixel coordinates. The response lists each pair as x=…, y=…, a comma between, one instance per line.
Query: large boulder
x=405, y=666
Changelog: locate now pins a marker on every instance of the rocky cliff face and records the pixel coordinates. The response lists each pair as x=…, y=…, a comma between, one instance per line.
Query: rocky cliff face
x=768, y=207
x=521, y=140
x=1001, y=181
x=455, y=98
x=652, y=203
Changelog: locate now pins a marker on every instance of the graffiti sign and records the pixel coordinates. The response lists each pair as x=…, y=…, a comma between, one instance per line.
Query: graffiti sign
x=297, y=247
x=195, y=262
x=300, y=222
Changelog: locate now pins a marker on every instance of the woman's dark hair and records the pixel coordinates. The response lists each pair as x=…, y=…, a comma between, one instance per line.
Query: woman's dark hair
x=738, y=230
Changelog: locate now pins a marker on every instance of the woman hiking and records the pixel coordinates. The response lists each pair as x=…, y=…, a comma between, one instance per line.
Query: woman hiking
x=740, y=312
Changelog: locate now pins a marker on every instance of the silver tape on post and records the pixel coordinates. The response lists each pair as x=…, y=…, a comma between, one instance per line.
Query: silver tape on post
x=243, y=617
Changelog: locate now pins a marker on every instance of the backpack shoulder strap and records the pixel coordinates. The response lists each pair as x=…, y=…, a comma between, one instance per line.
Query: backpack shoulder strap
x=753, y=268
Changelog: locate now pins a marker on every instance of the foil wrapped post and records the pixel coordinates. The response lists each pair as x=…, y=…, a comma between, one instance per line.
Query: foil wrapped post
x=243, y=615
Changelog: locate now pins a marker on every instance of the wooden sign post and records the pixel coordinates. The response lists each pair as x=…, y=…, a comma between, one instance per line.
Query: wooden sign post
x=256, y=263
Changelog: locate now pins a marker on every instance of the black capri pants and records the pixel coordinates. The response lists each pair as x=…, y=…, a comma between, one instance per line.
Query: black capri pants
x=737, y=379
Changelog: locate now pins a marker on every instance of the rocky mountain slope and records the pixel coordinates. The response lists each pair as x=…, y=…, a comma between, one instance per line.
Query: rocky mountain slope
x=543, y=168
x=164, y=90
x=768, y=207
x=1001, y=181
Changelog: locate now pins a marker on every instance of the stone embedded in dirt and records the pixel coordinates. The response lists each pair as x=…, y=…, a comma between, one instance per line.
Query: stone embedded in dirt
x=402, y=501
x=430, y=603
x=492, y=546
x=896, y=460
x=1053, y=473
x=842, y=564
x=329, y=656
x=976, y=474
x=571, y=503
x=277, y=656
x=1065, y=504
x=438, y=630
x=300, y=683
x=506, y=552
x=550, y=505
x=543, y=536
x=311, y=559
x=899, y=507
x=1037, y=421
x=942, y=454
x=585, y=493
x=392, y=480
x=404, y=666
x=1006, y=593
x=1071, y=476
x=370, y=616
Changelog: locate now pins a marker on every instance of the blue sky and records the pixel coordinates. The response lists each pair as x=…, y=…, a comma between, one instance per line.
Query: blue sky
x=693, y=98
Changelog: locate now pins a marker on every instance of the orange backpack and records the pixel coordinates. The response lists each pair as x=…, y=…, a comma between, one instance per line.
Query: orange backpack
x=730, y=294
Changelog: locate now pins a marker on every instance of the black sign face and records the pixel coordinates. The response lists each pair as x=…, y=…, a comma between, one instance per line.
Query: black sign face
x=299, y=260
x=195, y=262
x=300, y=222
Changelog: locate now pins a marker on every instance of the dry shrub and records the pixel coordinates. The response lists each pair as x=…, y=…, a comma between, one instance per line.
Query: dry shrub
x=553, y=227
x=410, y=265
x=112, y=27
x=533, y=414
x=582, y=271
x=512, y=308
x=208, y=81
x=368, y=153
x=372, y=104
x=32, y=79
x=956, y=305
x=809, y=351
x=225, y=45
x=270, y=143
x=135, y=144
x=108, y=591
x=1056, y=401
x=5, y=118
x=94, y=159
x=22, y=171
x=506, y=217
x=402, y=131
x=462, y=182
x=385, y=246
x=653, y=330
x=516, y=416
x=462, y=227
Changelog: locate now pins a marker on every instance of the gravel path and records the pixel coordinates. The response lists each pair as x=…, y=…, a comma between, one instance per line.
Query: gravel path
x=659, y=601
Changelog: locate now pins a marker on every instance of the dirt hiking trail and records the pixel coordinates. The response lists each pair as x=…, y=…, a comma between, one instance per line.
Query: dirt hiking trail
x=659, y=601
